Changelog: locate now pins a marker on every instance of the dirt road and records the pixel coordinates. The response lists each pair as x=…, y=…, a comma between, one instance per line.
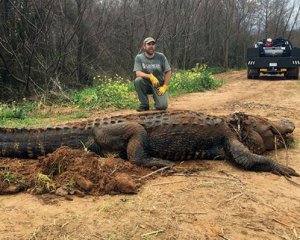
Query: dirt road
x=216, y=201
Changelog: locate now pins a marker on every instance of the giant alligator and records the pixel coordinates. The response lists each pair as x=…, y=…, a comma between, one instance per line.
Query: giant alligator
x=157, y=138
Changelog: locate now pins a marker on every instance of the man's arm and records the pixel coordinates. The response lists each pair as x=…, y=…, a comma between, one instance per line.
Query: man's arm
x=145, y=75
x=167, y=69
x=161, y=90
x=154, y=81
x=167, y=77
x=142, y=74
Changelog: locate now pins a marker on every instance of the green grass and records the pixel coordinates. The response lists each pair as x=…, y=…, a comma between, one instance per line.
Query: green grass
x=13, y=178
x=111, y=93
x=115, y=95
x=215, y=70
x=198, y=79
x=15, y=111
x=36, y=118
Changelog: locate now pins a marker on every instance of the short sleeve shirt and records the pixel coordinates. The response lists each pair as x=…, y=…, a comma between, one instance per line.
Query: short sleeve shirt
x=158, y=65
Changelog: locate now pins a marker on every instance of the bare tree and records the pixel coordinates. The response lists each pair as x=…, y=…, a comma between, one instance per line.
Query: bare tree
x=45, y=44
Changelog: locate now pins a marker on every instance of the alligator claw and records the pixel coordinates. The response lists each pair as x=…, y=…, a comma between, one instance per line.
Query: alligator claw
x=157, y=162
x=282, y=170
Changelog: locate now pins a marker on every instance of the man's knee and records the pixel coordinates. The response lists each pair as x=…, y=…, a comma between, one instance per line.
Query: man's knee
x=138, y=81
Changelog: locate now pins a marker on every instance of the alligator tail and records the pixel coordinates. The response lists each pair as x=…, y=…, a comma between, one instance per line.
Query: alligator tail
x=35, y=142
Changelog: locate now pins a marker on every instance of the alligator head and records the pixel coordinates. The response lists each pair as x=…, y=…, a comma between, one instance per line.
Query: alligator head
x=261, y=134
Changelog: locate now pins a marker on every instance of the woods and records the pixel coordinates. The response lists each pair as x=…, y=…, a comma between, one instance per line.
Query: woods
x=48, y=45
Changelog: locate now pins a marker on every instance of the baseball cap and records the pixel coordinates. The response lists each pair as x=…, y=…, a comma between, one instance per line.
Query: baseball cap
x=149, y=39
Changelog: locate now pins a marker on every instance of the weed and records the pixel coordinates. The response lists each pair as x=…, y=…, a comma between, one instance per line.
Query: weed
x=13, y=178
x=198, y=79
x=80, y=115
x=104, y=208
x=43, y=184
x=109, y=92
x=70, y=185
x=12, y=112
x=291, y=142
x=15, y=110
x=216, y=70
x=56, y=167
x=74, y=215
x=112, y=237
x=126, y=201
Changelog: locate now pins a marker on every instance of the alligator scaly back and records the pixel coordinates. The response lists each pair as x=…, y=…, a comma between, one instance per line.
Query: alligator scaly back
x=34, y=142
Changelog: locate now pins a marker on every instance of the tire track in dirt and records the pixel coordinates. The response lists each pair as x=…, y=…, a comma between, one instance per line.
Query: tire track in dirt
x=237, y=89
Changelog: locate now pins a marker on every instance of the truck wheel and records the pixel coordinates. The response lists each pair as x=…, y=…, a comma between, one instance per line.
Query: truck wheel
x=253, y=73
x=297, y=74
x=292, y=73
x=286, y=74
x=248, y=74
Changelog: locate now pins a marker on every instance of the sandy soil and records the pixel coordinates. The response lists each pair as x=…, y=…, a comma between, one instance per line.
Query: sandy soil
x=202, y=200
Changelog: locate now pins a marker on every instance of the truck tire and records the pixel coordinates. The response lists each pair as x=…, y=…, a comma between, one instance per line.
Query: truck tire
x=252, y=73
x=297, y=74
x=292, y=73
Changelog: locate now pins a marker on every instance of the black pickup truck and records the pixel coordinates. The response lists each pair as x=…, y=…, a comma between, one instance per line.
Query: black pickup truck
x=277, y=56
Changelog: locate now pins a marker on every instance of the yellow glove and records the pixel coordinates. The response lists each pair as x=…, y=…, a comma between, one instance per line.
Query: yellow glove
x=153, y=80
x=161, y=90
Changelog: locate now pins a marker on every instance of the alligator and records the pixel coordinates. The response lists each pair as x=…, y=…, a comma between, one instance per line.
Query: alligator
x=159, y=138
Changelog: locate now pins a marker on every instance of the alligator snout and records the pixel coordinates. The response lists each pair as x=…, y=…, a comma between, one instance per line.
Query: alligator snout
x=286, y=126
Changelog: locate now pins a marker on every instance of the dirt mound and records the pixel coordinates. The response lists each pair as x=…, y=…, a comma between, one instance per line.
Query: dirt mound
x=68, y=172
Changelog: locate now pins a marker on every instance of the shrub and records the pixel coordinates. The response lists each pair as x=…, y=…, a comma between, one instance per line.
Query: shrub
x=197, y=79
x=110, y=93
x=15, y=111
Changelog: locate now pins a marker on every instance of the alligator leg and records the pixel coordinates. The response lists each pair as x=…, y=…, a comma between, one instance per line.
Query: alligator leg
x=129, y=136
x=241, y=155
x=254, y=142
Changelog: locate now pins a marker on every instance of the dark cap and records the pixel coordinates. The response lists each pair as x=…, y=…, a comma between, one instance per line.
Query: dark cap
x=149, y=39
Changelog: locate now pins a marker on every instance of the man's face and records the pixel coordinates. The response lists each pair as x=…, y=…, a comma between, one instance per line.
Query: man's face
x=149, y=47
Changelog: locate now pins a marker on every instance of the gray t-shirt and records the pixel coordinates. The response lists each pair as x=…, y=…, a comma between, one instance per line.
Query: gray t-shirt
x=158, y=65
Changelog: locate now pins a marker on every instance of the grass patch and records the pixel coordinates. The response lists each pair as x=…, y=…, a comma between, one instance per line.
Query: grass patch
x=115, y=92
x=215, y=70
x=38, y=118
x=15, y=110
x=13, y=178
x=104, y=208
x=198, y=79
x=107, y=93
x=72, y=116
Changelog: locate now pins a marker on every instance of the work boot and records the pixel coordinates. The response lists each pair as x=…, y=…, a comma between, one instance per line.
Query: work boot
x=142, y=109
